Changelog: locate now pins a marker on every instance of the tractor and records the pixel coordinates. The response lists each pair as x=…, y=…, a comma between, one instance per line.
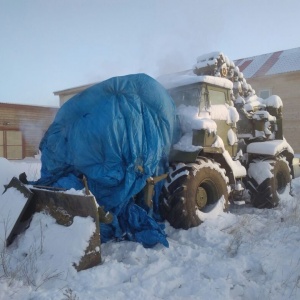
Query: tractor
x=231, y=142
x=221, y=141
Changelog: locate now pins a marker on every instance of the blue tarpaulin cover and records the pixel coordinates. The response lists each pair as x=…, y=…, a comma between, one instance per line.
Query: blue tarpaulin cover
x=117, y=134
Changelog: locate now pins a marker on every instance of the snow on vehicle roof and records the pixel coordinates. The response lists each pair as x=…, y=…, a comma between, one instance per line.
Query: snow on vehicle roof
x=211, y=59
x=209, y=56
x=208, y=59
x=269, y=147
x=176, y=80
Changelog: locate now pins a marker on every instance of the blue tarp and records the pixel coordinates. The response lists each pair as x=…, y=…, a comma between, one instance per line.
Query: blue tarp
x=117, y=134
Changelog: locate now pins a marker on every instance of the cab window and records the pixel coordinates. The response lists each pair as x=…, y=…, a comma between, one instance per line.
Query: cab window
x=217, y=97
x=189, y=97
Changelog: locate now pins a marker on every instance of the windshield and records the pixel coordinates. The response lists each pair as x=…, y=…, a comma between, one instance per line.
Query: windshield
x=188, y=97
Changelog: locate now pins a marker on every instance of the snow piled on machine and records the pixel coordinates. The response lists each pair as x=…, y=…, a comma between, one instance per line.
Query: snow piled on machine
x=116, y=134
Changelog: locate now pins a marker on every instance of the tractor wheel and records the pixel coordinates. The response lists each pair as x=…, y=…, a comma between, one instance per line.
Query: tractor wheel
x=190, y=188
x=265, y=192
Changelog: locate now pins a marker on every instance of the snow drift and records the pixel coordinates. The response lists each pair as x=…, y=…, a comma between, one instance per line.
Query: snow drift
x=245, y=254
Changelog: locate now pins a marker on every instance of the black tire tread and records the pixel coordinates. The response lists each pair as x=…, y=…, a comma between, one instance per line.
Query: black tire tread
x=264, y=195
x=175, y=204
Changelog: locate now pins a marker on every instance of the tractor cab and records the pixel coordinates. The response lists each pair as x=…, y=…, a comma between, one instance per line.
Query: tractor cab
x=204, y=110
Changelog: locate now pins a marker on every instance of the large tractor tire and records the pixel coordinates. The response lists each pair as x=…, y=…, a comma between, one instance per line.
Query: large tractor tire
x=190, y=188
x=265, y=193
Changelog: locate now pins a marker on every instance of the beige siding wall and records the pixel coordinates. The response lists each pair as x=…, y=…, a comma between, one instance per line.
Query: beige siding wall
x=287, y=87
x=65, y=95
x=32, y=121
x=64, y=98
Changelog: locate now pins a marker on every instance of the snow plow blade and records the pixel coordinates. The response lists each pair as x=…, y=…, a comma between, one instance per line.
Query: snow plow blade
x=63, y=207
x=15, y=209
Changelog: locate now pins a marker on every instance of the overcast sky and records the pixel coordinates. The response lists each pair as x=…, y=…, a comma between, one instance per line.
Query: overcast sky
x=48, y=46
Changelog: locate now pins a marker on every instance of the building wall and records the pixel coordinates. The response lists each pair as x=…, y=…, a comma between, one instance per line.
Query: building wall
x=287, y=87
x=64, y=98
x=32, y=121
x=65, y=95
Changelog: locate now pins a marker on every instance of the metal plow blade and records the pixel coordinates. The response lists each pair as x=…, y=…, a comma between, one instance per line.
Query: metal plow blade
x=14, y=204
x=63, y=207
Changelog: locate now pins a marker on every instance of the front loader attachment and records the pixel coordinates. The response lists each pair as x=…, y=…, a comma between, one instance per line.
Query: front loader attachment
x=14, y=205
x=63, y=206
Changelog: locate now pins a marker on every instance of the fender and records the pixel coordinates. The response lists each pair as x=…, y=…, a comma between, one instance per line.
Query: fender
x=273, y=149
x=270, y=148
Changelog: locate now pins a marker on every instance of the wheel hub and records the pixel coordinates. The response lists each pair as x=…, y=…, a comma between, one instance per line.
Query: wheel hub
x=201, y=197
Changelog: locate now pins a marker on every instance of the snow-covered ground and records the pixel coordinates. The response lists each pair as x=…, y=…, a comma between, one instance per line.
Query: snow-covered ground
x=246, y=253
